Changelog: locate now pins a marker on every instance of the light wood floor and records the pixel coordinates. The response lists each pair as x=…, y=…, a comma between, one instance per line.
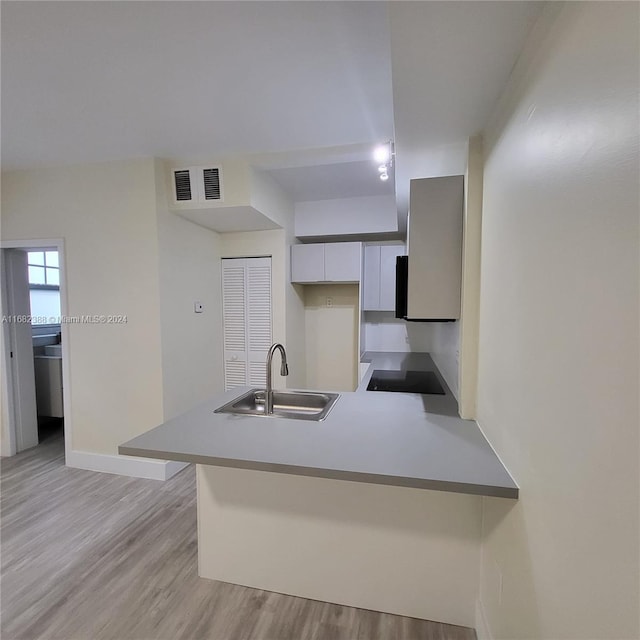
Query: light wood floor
x=92, y=556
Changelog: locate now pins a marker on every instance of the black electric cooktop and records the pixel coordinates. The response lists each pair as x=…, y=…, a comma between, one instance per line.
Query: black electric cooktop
x=406, y=382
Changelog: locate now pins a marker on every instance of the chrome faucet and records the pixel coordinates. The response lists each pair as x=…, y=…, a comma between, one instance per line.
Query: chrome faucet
x=284, y=371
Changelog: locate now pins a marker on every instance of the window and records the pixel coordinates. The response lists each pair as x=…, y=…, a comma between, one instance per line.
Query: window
x=43, y=268
x=44, y=286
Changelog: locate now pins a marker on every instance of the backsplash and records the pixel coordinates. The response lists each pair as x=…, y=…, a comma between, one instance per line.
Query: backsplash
x=384, y=332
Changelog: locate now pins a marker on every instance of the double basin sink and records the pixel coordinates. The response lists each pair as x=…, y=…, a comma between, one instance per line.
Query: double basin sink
x=297, y=405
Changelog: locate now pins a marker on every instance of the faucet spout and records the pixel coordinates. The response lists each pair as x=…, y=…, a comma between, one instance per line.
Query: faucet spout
x=284, y=371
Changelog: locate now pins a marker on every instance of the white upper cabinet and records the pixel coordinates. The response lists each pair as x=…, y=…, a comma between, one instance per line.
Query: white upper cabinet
x=307, y=263
x=435, y=248
x=379, y=286
x=342, y=261
x=326, y=262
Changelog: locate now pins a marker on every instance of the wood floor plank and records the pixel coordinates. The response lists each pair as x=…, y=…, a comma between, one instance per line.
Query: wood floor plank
x=91, y=556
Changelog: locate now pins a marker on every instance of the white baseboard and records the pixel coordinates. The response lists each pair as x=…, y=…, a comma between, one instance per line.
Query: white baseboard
x=482, y=626
x=172, y=467
x=124, y=465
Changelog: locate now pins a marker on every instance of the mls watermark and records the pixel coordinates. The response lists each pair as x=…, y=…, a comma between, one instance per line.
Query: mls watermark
x=85, y=319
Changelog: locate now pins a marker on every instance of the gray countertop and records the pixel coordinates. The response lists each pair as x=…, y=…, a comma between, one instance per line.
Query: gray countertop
x=375, y=437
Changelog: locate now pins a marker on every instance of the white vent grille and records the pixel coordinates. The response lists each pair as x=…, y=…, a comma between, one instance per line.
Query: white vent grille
x=197, y=186
x=211, y=178
x=182, y=181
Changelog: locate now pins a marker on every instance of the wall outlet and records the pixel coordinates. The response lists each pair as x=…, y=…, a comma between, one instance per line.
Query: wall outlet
x=329, y=301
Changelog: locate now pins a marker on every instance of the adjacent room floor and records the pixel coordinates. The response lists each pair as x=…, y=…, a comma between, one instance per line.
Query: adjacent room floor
x=92, y=556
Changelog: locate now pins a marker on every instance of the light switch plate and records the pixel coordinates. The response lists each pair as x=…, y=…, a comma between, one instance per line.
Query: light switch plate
x=197, y=307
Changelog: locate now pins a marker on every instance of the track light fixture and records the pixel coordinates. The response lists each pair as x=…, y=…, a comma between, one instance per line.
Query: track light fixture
x=383, y=154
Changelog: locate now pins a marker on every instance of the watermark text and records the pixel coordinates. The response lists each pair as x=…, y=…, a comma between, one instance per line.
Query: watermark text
x=84, y=319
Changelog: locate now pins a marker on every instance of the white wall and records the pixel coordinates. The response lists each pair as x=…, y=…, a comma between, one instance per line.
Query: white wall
x=446, y=352
x=5, y=409
x=385, y=332
x=558, y=360
x=395, y=549
x=106, y=214
x=295, y=318
x=287, y=299
x=471, y=262
x=332, y=336
x=346, y=216
x=235, y=177
x=433, y=162
x=268, y=197
x=189, y=271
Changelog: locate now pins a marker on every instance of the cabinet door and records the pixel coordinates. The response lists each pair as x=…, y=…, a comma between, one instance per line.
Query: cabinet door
x=388, y=255
x=435, y=248
x=371, y=278
x=307, y=263
x=342, y=261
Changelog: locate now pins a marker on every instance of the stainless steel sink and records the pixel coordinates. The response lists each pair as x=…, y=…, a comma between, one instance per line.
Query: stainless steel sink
x=298, y=405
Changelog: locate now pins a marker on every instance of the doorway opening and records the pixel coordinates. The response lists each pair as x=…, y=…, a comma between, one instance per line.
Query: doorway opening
x=35, y=409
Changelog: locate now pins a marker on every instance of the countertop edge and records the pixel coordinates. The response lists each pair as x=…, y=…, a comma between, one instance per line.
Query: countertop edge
x=331, y=474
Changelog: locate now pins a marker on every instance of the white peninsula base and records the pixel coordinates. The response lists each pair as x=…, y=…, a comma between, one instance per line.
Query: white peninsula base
x=412, y=552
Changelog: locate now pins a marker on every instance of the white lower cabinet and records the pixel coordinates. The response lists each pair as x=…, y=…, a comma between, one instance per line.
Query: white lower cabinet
x=379, y=277
x=326, y=262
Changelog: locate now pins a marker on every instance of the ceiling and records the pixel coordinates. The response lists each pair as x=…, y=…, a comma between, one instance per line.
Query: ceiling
x=450, y=63
x=330, y=181
x=94, y=81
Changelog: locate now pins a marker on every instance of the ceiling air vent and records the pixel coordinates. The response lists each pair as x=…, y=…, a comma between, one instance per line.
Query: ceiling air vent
x=182, y=181
x=211, y=183
x=196, y=187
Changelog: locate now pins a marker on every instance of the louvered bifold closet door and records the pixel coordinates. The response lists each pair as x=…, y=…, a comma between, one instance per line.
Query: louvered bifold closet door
x=246, y=301
x=234, y=323
x=258, y=318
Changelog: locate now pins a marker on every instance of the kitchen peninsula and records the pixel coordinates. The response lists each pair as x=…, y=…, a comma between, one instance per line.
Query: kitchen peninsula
x=377, y=506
